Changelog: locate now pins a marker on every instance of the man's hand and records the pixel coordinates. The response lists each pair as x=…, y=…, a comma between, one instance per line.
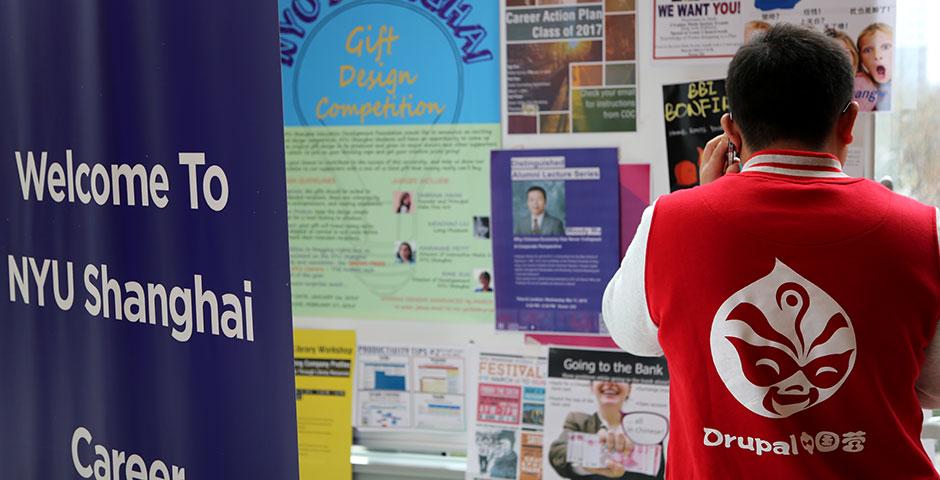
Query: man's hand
x=714, y=159
x=614, y=442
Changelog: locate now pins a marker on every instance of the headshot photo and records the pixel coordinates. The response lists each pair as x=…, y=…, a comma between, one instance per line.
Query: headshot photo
x=876, y=63
x=402, y=202
x=404, y=252
x=481, y=227
x=847, y=44
x=483, y=281
x=753, y=28
x=538, y=208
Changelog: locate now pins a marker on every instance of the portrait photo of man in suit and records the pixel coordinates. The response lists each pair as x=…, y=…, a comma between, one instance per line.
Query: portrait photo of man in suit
x=538, y=221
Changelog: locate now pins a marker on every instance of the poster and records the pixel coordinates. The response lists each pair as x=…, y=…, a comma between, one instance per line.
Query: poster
x=692, y=113
x=555, y=236
x=697, y=28
x=570, y=67
x=323, y=372
x=402, y=387
x=505, y=438
x=857, y=156
x=864, y=28
x=634, y=198
x=715, y=29
x=596, y=396
x=145, y=325
x=390, y=109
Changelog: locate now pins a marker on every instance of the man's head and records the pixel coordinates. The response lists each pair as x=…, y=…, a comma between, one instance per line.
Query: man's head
x=506, y=441
x=536, y=200
x=789, y=88
x=485, y=279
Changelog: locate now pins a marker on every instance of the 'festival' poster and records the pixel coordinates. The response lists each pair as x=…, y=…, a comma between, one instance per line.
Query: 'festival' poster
x=555, y=236
x=391, y=109
x=596, y=396
x=505, y=438
x=570, y=67
x=692, y=112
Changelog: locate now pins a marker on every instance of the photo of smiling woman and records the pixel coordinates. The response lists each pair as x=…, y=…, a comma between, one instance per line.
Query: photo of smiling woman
x=404, y=253
x=606, y=422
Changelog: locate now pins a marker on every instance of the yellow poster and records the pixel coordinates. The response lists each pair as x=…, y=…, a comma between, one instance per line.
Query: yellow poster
x=323, y=361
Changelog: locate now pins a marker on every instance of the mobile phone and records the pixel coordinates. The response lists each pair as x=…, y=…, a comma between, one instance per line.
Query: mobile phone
x=732, y=155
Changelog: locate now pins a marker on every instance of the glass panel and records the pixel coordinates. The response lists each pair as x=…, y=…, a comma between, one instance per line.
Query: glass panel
x=907, y=140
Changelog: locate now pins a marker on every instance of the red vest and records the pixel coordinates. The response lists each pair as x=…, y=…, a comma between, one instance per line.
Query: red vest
x=794, y=312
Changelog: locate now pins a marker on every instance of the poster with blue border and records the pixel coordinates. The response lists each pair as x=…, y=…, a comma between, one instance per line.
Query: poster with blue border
x=555, y=237
x=145, y=329
x=391, y=108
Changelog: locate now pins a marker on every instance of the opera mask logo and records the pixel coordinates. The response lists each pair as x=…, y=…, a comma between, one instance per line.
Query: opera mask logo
x=782, y=344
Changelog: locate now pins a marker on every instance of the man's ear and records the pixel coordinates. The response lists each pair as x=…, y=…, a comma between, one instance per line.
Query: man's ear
x=846, y=124
x=731, y=129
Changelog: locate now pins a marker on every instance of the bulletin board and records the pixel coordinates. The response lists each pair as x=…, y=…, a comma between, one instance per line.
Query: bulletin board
x=641, y=142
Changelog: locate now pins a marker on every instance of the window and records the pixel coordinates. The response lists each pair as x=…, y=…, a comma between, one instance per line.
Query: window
x=907, y=140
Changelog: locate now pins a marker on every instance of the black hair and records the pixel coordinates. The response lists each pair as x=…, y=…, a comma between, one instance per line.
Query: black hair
x=536, y=188
x=485, y=274
x=507, y=435
x=410, y=249
x=789, y=83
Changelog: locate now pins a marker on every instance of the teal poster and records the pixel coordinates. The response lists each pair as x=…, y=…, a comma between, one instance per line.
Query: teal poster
x=391, y=108
x=390, y=62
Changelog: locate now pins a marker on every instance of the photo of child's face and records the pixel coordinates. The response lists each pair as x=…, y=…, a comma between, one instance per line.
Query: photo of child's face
x=753, y=28
x=849, y=48
x=877, y=53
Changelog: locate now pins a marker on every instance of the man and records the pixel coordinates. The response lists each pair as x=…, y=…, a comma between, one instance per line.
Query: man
x=796, y=306
x=538, y=222
x=504, y=465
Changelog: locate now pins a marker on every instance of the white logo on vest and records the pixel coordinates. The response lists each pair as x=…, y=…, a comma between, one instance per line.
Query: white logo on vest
x=782, y=344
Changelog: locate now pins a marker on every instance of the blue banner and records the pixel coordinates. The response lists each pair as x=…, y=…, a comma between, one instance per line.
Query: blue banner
x=146, y=326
